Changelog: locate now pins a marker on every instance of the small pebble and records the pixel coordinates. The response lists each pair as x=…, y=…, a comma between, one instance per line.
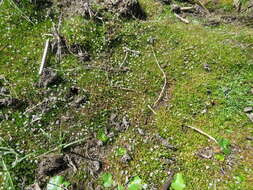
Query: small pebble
x=250, y=116
x=248, y=109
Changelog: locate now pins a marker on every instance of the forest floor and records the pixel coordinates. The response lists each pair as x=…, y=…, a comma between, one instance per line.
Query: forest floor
x=122, y=100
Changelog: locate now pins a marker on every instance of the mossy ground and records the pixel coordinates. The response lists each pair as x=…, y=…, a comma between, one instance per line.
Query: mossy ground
x=209, y=100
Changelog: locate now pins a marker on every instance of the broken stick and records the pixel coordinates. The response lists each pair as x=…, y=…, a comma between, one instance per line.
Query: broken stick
x=164, y=77
x=43, y=61
x=183, y=9
x=182, y=19
x=203, y=133
x=203, y=6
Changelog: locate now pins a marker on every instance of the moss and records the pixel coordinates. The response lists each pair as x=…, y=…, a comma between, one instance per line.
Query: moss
x=210, y=100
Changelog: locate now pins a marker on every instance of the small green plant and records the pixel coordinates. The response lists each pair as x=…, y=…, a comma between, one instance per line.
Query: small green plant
x=121, y=187
x=178, y=182
x=107, y=180
x=8, y=182
x=135, y=184
x=220, y=157
x=57, y=183
x=121, y=152
x=102, y=136
x=225, y=145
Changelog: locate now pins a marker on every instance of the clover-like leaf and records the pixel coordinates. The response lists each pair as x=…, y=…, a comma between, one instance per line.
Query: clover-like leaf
x=135, y=184
x=120, y=187
x=102, y=136
x=178, y=182
x=121, y=151
x=225, y=145
x=220, y=157
x=107, y=180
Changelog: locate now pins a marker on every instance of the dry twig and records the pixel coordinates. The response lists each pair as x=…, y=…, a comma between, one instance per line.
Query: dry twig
x=56, y=34
x=182, y=19
x=43, y=61
x=165, y=80
x=198, y=2
x=154, y=112
x=203, y=133
x=186, y=9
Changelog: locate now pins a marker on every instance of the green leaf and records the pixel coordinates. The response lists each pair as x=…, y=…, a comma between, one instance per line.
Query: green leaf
x=135, y=184
x=121, y=152
x=225, y=145
x=107, y=180
x=239, y=178
x=220, y=157
x=57, y=183
x=178, y=182
x=102, y=136
x=6, y=174
x=121, y=187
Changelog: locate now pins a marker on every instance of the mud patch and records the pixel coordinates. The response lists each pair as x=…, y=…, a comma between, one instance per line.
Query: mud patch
x=126, y=8
x=49, y=77
x=51, y=165
x=10, y=102
x=96, y=8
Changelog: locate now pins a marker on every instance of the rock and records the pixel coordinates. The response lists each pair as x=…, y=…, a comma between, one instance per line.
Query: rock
x=125, y=122
x=126, y=158
x=251, y=91
x=248, y=109
x=80, y=100
x=175, y=8
x=51, y=165
x=111, y=135
x=83, y=56
x=207, y=67
x=204, y=111
x=250, y=116
x=48, y=77
x=169, y=161
x=209, y=92
x=212, y=22
x=126, y=8
x=95, y=166
x=10, y=103
x=140, y=131
x=4, y=91
x=33, y=187
x=206, y=153
x=151, y=40
x=99, y=187
x=120, y=125
x=249, y=138
x=237, y=4
x=85, y=8
x=99, y=143
x=73, y=91
x=165, y=143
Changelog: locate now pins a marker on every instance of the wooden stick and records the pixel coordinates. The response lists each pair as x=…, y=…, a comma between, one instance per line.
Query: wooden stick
x=165, y=80
x=186, y=8
x=203, y=6
x=123, y=62
x=182, y=19
x=154, y=112
x=43, y=61
x=203, y=133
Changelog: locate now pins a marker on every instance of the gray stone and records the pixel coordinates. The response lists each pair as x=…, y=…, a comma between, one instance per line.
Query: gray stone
x=126, y=158
x=250, y=116
x=248, y=109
